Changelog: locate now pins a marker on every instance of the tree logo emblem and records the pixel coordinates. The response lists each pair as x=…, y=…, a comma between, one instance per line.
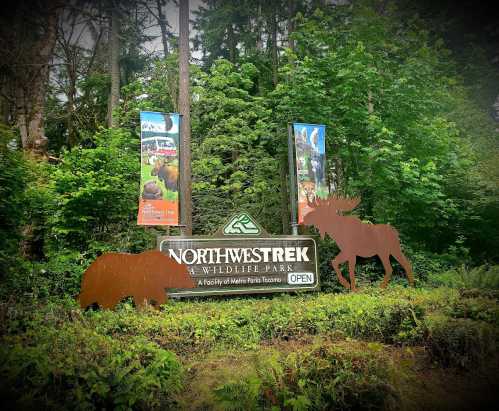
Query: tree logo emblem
x=241, y=224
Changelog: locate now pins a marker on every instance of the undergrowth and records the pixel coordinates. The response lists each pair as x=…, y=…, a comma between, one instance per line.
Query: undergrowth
x=55, y=354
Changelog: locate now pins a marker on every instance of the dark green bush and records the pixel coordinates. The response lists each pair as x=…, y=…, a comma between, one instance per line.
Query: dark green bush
x=14, y=178
x=190, y=326
x=75, y=367
x=77, y=209
x=345, y=375
x=461, y=342
x=480, y=308
x=95, y=193
x=481, y=277
x=59, y=276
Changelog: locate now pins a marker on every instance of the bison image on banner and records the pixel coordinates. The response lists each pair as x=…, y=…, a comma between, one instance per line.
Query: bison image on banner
x=310, y=147
x=159, y=160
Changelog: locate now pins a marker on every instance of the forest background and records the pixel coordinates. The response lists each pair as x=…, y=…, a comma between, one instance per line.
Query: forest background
x=408, y=109
x=408, y=92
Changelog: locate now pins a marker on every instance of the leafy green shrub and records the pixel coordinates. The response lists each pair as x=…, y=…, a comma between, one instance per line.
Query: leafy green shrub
x=424, y=264
x=47, y=343
x=339, y=375
x=394, y=315
x=461, y=342
x=14, y=177
x=327, y=375
x=371, y=315
x=81, y=207
x=481, y=309
x=75, y=367
x=197, y=326
x=95, y=193
x=482, y=277
x=59, y=276
x=239, y=395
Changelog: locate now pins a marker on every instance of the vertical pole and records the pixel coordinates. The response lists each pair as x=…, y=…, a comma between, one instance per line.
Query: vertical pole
x=185, y=130
x=292, y=180
x=114, y=40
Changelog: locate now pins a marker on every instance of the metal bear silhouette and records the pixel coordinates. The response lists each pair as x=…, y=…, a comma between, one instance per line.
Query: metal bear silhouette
x=355, y=238
x=114, y=276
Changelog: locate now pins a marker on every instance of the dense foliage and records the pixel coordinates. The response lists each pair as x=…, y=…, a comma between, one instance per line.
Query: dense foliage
x=404, y=131
x=387, y=95
x=79, y=367
x=233, y=166
x=14, y=176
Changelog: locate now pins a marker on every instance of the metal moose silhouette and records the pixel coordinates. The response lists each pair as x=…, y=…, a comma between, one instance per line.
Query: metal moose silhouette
x=145, y=276
x=355, y=238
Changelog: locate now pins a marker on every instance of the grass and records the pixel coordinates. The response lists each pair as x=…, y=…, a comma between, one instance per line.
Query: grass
x=145, y=175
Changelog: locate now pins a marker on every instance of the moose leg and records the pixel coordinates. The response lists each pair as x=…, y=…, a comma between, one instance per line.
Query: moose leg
x=351, y=271
x=385, y=259
x=404, y=262
x=340, y=258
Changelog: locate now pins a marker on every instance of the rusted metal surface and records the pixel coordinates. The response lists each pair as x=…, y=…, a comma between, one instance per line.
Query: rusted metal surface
x=144, y=277
x=355, y=238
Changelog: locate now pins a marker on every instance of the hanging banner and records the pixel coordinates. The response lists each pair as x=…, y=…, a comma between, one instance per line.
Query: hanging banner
x=310, y=148
x=159, y=175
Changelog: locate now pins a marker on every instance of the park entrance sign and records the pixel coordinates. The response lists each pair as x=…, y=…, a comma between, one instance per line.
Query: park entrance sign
x=242, y=258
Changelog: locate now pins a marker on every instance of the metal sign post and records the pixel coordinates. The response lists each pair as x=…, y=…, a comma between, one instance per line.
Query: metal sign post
x=292, y=180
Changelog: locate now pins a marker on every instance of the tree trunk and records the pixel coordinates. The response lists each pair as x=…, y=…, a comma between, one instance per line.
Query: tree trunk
x=283, y=176
x=291, y=25
x=114, y=44
x=163, y=26
x=172, y=82
x=30, y=91
x=38, y=142
x=232, y=44
x=72, y=140
x=258, y=28
x=370, y=104
x=495, y=108
x=275, y=61
x=184, y=108
x=171, y=79
x=5, y=102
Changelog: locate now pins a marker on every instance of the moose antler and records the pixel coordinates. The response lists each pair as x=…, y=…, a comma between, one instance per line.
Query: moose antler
x=318, y=202
x=336, y=202
x=343, y=203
